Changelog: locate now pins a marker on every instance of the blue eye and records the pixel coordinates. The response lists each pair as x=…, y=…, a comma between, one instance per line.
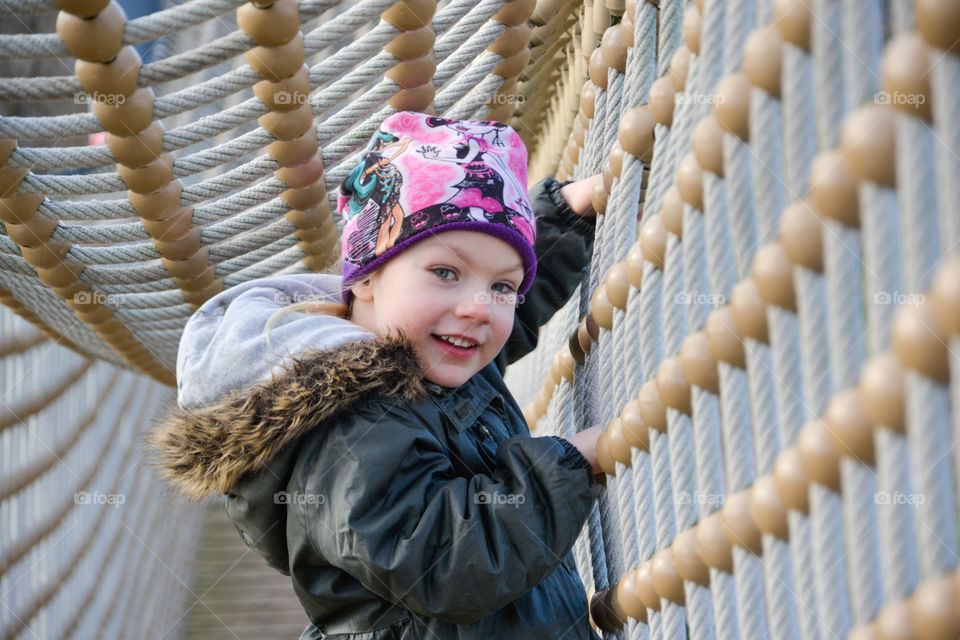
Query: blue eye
x=506, y=287
x=444, y=273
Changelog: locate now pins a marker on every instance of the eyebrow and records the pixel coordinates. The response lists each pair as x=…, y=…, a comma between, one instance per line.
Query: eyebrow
x=516, y=268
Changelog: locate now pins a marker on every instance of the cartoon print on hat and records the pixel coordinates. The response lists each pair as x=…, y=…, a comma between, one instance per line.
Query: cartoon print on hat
x=424, y=174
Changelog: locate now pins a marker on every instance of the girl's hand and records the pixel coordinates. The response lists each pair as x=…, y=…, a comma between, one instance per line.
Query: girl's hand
x=586, y=442
x=578, y=195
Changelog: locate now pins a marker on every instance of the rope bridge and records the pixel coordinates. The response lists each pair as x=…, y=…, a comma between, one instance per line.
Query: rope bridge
x=770, y=329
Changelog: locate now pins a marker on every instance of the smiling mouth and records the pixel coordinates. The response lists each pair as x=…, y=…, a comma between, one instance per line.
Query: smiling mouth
x=457, y=342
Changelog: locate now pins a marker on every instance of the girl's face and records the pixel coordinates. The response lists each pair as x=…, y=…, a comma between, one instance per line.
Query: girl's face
x=453, y=295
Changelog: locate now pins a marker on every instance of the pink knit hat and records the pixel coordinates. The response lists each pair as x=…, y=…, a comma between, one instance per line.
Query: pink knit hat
x=421, y=175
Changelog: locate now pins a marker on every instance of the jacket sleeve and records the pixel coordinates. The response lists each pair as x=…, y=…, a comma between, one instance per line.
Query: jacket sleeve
x=390, y=511
x=563, y=246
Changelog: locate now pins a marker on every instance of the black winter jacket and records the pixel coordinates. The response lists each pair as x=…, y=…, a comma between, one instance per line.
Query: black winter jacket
x=402, y=509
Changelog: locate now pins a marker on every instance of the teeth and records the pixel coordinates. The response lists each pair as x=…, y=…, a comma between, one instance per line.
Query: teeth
x=458, y=342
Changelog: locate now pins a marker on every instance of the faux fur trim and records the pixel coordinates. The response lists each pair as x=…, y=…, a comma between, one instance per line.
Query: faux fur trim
x=205, y=452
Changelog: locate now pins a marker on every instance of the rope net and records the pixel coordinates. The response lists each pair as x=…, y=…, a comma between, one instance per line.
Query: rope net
x=769, y=329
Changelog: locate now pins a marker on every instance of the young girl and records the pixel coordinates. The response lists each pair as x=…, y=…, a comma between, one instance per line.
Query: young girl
x=367, y=444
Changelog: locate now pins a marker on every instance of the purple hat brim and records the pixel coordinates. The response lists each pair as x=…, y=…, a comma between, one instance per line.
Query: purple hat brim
x=353, y=274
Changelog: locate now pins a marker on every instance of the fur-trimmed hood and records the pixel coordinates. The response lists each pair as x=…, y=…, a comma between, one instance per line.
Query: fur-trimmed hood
x=243, y=392
x=206, y=451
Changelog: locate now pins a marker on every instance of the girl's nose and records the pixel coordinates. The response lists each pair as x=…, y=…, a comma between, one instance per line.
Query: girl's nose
x=476, y=307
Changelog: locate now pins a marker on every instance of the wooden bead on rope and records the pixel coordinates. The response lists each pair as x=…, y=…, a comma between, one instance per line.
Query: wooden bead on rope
x=679, y=66
x=598, y=198
x=666, y=580
x=583, y=337
x=614, y=48
x=868, y=142
x=598, y=69
x=628, y=599
x=671, y=210
x=714, y=544
x=98, y=38
x=939, y=23
x=617, y=286
x=616, y=159
x=906, y=75
x=793, y=18
x=591, y=326
x=691, y=29
x=934, y=611
x=157, y=204
x=109, y=83
x=634, y=427
x=920, y=342
x=277, y=63
x=82, y=8
x=894, y=623
x=635, y=264
x=767, y=509
x=849, y=427
x=773, y=275
x=271, y=26
x=604, y=459
x=292, y=153
x=738, y=522
x=698, y=362
x=801, y=235
x=643, y=579
x=881, y=391
x=749, y=311
x=762, y=59
x=636, y=133
x=512, y=13
x=793, y=484
x=588, y=97
x=724, y=341
x=662, y=100
x=304, y=174
x=652, y=410
x=617, y=445
x=566, y=365
x=286, y=94
x=573, y=345
x=708, y=145
x=818, y=456
x=672, y=385
x=833, y=188
x=601, y=309
x=686, y=558
x=945, y=296
x=732, y=105
x=137, y=150
x=653, y=241
x=690, y=181
x=129, y=116
x=287, y=125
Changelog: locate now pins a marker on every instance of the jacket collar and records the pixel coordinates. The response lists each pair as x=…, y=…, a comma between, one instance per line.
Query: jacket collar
x=462, y=406
x=206, y=451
